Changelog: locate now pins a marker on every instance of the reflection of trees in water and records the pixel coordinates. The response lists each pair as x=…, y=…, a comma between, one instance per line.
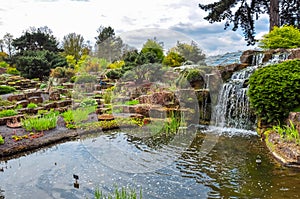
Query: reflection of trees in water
x=229, y=169
x=1, y=194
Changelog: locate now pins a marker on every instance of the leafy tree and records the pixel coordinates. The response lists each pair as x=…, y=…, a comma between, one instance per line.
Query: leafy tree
x=37, y=64
x=108, y=45
x=283, y=37
x=191, y=52
x=173, y=59
x=244, y=13
x=8, y=38
x=36, y=39
x=73, y=44
x=153, y=50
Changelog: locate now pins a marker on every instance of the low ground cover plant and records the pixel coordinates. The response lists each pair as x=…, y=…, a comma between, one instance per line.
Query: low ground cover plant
x=74, y=117
x=1, y=140
x=41, y=123
x=32, y=105
x=8, y=113
x=6, y=89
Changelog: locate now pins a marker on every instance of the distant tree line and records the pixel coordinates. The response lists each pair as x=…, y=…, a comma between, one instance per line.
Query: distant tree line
x=37, y=52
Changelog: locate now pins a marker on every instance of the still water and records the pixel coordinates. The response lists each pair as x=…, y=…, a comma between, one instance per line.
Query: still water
x=161, y=169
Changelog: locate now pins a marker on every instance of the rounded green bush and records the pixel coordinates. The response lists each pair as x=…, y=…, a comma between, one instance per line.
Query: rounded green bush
x=275, y=90
x=6, y=89
x=85, y=78
x=281, y=37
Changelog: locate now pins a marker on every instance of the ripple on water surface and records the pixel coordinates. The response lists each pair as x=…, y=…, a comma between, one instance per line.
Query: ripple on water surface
x=165, y=170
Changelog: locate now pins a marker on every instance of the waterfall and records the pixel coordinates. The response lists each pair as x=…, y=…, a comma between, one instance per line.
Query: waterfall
x=233, y=108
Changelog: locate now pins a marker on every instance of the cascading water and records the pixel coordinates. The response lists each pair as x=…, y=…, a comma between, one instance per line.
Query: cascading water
x=233, y=108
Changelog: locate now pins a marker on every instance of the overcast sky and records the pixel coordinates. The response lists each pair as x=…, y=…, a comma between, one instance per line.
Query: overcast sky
x=134, y=20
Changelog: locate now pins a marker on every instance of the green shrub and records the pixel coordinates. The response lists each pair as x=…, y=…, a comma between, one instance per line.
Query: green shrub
x=283, y=37
x=6, y=89
x=32, y=105
x=132, y=102
x=62, y=72
x=114, y=73
x=275, y=90
x=3, y=64
x=1, y=140
x=12, y=71
x=43, y=86
x=85, y=78
x=8, y=113
x=88, y=102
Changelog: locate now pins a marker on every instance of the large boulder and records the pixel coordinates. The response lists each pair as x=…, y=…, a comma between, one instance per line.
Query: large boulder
x=294, y=117
x=248, y=56
x=294, y=53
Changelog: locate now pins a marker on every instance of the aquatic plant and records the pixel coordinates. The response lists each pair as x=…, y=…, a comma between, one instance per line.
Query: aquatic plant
x=123, y=193
x=112, y=124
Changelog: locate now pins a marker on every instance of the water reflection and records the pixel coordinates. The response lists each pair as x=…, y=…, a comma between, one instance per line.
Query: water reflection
x=229, y=170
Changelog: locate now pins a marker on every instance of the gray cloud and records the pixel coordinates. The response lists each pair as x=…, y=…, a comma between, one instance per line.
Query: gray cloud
x=191, y=29
x=138, y=37
x=128, y=20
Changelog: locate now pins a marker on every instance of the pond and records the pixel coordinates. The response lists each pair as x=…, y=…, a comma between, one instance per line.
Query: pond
x=225, y=168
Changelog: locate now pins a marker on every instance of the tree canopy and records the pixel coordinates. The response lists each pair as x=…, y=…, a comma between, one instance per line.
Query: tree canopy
x=190, y=52
x=153, y=51
x=37, y=53
x=73, y=44
x=108, y=45
x=36, y=39
x=243, y=14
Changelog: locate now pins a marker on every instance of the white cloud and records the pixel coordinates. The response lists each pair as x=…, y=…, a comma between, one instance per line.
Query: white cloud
x=85, y=16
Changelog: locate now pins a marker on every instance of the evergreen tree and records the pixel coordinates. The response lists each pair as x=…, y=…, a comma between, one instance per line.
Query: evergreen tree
x=108, y=45
x=243, y=14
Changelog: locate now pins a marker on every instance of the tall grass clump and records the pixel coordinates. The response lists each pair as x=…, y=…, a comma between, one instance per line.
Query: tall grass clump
x=40, y=123
x=288, y=132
